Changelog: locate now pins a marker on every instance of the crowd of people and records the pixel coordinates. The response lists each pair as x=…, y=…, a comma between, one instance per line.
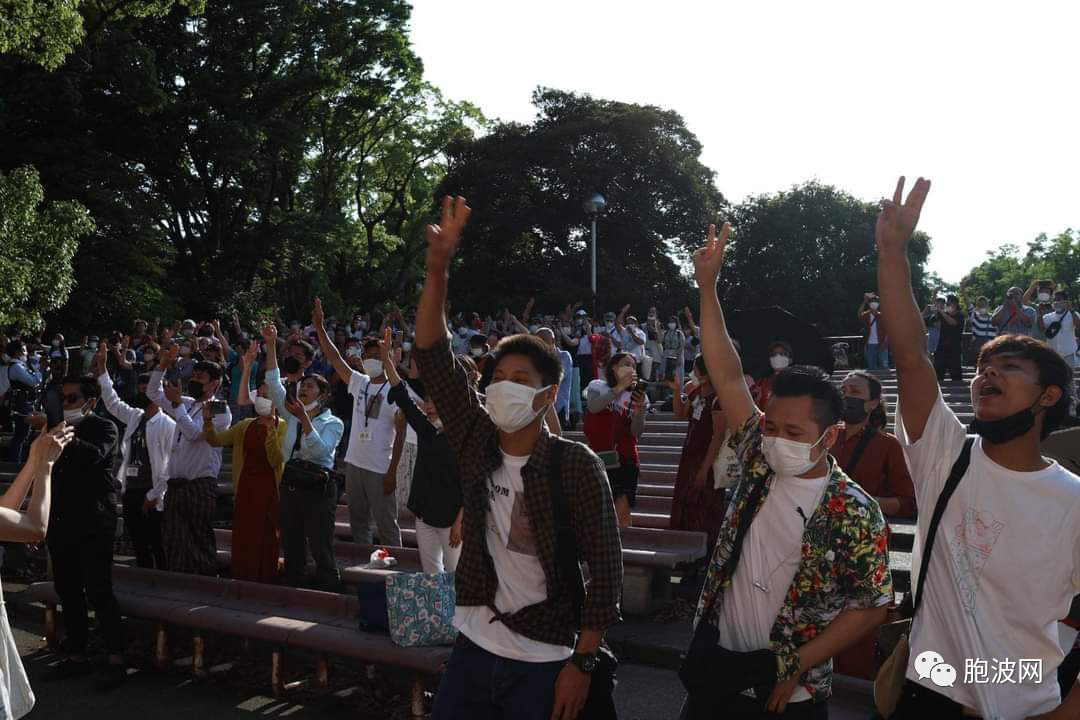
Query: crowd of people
x=459, y=417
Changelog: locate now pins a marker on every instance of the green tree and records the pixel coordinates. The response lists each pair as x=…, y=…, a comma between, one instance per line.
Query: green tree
x=529, y=235
x=810, y=250
x=39, y=240
x=1056, y=259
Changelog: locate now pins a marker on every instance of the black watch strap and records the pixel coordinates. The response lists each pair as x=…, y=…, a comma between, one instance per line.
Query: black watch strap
x=585, y=662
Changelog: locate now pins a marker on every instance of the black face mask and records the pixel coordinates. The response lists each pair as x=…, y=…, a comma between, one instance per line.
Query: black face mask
x=141, y=401
x=195, y=389
x=998, y=432
x=290, y=365
x=854, y=410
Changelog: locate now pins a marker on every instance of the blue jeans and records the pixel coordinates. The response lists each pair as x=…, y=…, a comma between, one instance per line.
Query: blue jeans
x=877, y=357
x=478, y=685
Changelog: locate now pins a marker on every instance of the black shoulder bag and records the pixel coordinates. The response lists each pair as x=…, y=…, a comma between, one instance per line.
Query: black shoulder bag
x=891, y=677
x=600, y=705
x=712, y=674
x=303, y=474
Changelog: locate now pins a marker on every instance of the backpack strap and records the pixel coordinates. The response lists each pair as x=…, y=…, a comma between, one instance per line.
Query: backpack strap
x=864, y=442
x=958, y=469
x=566, y=550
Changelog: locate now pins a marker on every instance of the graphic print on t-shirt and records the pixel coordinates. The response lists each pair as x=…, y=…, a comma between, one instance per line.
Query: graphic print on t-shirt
x=374, y=405
x=972, y=544
x=521, y=538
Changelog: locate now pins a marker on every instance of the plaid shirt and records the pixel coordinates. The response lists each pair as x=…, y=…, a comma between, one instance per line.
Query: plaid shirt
x=475, y=439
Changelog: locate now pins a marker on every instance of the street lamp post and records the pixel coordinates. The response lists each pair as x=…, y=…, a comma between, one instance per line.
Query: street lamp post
x=593, y=207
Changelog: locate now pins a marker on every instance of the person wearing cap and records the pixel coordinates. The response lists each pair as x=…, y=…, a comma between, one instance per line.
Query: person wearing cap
x=1014, y=317
x=187, y=328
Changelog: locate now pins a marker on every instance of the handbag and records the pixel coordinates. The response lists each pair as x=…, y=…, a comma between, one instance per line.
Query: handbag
x=420, y=609
x=889, y=683
x=600, y=703
x=712, y=674
x=303, y=474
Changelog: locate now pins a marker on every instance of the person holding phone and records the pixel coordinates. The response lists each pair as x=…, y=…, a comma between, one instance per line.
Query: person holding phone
x=615, y=419
x=1015, y=316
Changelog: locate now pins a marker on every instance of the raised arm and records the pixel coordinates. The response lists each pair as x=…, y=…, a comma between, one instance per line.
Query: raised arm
x=116, y=407
x=329, y=350
x=247, y=360
x=722, y=361
x=694, y=329
x=918, y=387
x=620, y=319
x=443, y=241
x=31, y=526
x=226, y=349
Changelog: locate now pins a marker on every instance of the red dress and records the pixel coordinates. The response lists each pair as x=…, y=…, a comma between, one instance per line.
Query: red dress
x=255, y=515
x=693, y=509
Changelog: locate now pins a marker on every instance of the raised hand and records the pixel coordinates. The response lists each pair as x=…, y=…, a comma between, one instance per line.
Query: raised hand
x=898, y=219
x=317, y=316
x=709, y=259
x=48, y=445
x=386, y=347
x=250, y=354
x=167, y=358
x=100, y=358
x=269, y=333
x=443, y=239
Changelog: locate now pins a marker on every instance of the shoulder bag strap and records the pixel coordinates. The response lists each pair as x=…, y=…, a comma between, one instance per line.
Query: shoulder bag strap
x=299, y=438
x=958, y=469
x=864, y=442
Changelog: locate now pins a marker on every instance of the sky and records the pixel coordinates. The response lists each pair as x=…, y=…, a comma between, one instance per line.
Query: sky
x=982, y=98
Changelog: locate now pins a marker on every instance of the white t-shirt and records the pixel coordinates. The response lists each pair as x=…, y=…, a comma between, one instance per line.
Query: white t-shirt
x=628, y=344
x=1065, y=341
x=873, y=339
x=371, y=443
x=1004, y=569
x=522, y=583
x=770, y=558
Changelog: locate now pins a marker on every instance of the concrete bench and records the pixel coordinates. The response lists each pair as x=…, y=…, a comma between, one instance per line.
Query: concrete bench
x=319, y=622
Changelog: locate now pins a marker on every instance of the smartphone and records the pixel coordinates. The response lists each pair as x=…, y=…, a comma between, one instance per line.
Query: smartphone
x=641, y=386
x=54, y=405
x=218, y=407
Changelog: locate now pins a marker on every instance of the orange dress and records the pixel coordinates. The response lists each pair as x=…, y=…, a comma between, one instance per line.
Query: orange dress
x=255, y=546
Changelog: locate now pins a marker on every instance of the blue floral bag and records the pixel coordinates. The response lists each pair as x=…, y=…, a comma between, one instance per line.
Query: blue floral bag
x=420, y=607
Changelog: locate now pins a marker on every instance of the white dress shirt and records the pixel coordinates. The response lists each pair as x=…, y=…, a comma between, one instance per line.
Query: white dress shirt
x=160, y=432
x=192, y=457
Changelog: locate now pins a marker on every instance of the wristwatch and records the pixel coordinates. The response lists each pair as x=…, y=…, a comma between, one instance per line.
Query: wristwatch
x=585, y=662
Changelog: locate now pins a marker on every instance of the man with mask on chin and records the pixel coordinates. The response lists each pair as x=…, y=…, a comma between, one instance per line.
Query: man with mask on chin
x=82, y=527
x=149, y=435
x=375, y=443
x=800, y=570
x=1005, y=563
x=524, y=649
x=187, y=530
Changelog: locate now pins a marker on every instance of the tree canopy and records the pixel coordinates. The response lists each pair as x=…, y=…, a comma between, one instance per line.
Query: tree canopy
x=1056, y=259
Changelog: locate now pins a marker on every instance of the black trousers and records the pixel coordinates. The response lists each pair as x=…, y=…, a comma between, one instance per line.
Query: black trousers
x=144, y=529
x=82, y=569
x=745, y=708
x=307, y=523
x=919, y=703
x=949, y=362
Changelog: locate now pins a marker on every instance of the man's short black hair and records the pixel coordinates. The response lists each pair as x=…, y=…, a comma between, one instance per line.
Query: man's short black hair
x=800, y=380
x=783, y=344
x=309, y=351
x=538, y=352
x=478, y=341
x=212, y=369
x=370, y=343
x=88, y=385
x=1053, y=371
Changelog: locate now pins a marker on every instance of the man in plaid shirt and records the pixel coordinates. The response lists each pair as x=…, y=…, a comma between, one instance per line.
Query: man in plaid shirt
x=524, y=650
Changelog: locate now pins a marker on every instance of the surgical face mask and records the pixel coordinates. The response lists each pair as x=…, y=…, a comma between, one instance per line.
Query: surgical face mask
x=353, y=352
x=290, y=365
x=311, y=406
x=510, y=405
x=187, y=332
x=91, y=345
x=406, y=347
x=789, y=458
x=373, y=367
x=779, y=362
x=671, y=326
x=437, y=424
x=1060, y=306
x=263, y=406
x=1003, y=430
x=631, y=326
x=982, y=310
x=76, y=416
x=875, y=305
x=854, y=410
x=477, y=352
x=1044, y=297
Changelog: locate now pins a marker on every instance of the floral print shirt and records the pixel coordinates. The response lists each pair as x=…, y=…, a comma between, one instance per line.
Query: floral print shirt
x=844, y=565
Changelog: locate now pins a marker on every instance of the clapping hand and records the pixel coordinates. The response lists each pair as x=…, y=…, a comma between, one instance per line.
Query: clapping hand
x=709, y=259
x=898, y=219
x=443, y=239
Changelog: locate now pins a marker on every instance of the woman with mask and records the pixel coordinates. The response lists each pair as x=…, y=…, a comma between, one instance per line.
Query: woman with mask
x=699, y=502
x=614, y=421
x=779, y=358
x=673, y=344
x=983, y=329
x=258, y=462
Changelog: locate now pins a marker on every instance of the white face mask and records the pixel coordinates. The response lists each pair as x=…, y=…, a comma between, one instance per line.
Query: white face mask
x=373, y=367
x=788, y=457
x=779, y=362
x=76, y=416
x=671, y=326
x=437, y=424
x=874, y=305
x=312, y=406
x=477, y=352
x=406, y=347
x=1044, y=297
x=982, y=311
x=263, y=406
x=510, y=405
